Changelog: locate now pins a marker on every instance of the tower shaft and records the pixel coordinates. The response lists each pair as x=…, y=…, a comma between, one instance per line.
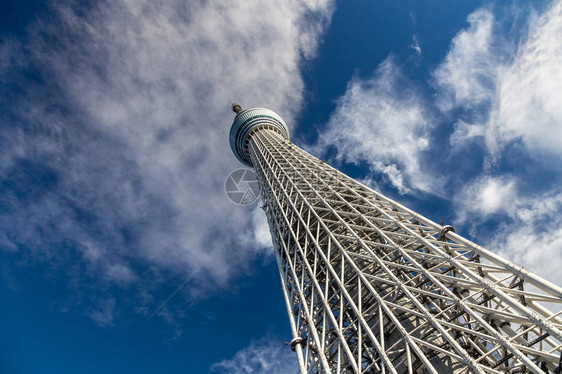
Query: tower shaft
x=372, y=286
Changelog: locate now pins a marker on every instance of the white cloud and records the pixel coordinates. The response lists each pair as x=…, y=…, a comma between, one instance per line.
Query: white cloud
x=6, y=244
x=529, y=103
x=464, y=133
x=416, y=46
x=515, y=97
x=262, y=236
x=104, y=315
x=383, y=123
x=485, y=196
x=120, y=274
x=534, y=239
x=468, y=74
x=261, y=357
x=530, y=230
x=111, y=157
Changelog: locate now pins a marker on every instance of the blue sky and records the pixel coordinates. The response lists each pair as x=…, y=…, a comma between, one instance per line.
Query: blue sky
x=114, y=122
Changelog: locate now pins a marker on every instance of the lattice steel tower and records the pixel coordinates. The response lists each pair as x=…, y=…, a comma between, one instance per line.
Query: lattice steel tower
x=374, y=287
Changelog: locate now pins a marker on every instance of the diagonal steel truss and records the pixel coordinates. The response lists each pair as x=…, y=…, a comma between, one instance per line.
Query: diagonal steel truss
x=372, y=286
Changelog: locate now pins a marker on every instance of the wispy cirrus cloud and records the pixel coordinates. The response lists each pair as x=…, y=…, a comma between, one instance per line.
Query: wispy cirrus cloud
x=468, y=74
x=114, y=134
x=516, y=83
x=534, y=237
x=104, y=313
x=382, y=125
x=264, y=356
x=416, y=45
x=528, y=228
x=529, y=93
x=486, y=196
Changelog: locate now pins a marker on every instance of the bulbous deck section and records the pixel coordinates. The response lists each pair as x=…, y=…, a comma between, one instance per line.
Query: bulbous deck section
x=246, y=122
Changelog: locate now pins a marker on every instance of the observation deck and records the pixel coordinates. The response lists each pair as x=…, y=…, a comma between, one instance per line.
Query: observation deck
x=247, y=122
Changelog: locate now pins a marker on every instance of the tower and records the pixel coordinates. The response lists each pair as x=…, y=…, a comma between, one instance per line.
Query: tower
x=374, y=287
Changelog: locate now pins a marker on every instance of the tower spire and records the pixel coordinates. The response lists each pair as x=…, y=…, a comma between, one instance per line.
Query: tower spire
x=236, y=108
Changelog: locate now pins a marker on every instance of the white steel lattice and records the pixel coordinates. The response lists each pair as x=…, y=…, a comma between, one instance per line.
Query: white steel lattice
x=372, y=286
